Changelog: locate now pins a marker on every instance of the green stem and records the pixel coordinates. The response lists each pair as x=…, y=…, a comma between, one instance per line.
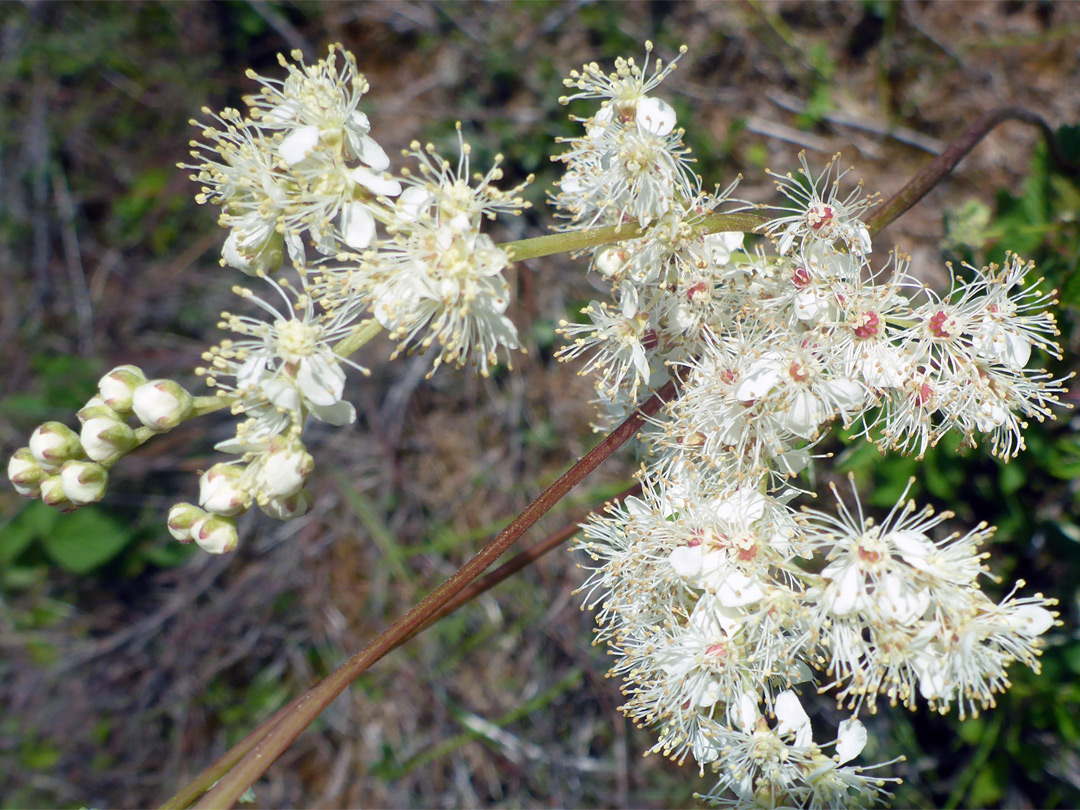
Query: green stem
x=361, y=334
x=570, y=241
x=246, y=762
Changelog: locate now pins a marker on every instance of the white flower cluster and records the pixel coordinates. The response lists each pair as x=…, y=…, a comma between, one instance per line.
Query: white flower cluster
x=718, y=598
x=404, y=252
x=303, y=164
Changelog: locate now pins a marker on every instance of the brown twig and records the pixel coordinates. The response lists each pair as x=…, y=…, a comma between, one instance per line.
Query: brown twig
x=939, y=167
x=248, y=760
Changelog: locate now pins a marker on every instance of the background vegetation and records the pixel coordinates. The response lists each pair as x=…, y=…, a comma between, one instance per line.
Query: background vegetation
x=128, y=661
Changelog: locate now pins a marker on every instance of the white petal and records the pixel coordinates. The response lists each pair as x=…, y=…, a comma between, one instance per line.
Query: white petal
x=413, y=202
x=372, y=154
x=686, y=561
x=299, y=144
x=847, y=394
x=1031, y=620
x=357, y=225
x=847, y=591
x=850, y=740
x=338, y=414
x=737, y=590
x=655, y=116
x=321, y=381
x=747, y=711
x=758, y=382
x=375, y=182
x=282, y=394
x=790, y=715
x=804, y=415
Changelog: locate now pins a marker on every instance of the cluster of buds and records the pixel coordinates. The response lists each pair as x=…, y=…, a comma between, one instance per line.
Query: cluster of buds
x=67, y=469
x=716, y=595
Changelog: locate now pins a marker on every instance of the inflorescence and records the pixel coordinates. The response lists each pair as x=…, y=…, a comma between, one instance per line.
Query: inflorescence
x=721, y=601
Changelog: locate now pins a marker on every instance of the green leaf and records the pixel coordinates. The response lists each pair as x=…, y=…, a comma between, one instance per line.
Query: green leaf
x=34, y=521
x=85, y=540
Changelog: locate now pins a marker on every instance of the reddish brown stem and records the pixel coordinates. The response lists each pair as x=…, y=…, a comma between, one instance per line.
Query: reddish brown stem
x=939, y=167
x=288, y=723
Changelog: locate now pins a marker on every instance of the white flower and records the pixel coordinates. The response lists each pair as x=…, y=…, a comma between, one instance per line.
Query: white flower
x=284, y=469
x=25, y=473
x=318, y=103
x=284, y=367
x=445, y=288
x=820, y=217
x=103, y=438
x=620, y=345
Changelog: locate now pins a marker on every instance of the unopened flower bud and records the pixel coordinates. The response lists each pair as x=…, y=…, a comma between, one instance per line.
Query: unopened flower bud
x=161, y=404
x=290, y=508
x=610, y=261
x=95, y=408
x=105, y=439
x=52, y=493
x=253, y=257
x=25, y=473
x=285, y=469
x=83, y=481
x=181, y=518
x=221, y=490
x=54, y=443
x=216, y=534
x=118, y=387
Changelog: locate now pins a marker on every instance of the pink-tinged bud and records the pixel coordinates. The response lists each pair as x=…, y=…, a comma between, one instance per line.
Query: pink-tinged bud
x=25, y=473
x=181, y=518
x=161, y=404
x=117, y=388
x=106, y=439
x=95, y=408
x=221, y=490
x=285, y=468
x=83, y=481
x=288, y=508
x=54, y=443
x=215, y=534
x=52, y=494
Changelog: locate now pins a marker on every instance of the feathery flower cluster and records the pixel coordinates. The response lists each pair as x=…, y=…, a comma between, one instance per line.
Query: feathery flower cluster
x=720, y=600
x=405, y=252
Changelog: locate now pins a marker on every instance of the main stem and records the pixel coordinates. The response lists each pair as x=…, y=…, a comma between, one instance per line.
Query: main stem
x=297, y=716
